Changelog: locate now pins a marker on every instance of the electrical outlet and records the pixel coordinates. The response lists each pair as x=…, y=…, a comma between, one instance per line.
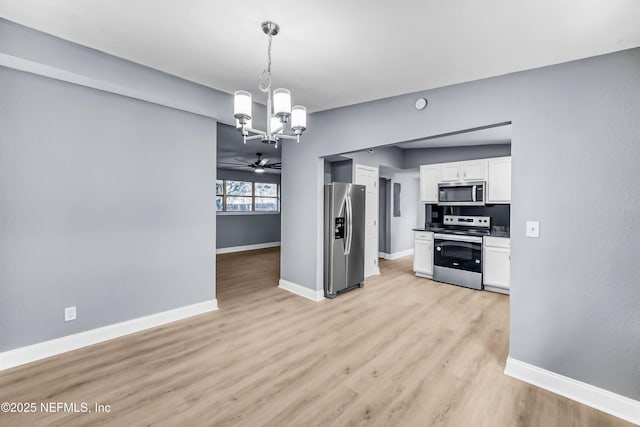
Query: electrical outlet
x=533, y=229
x=69, y=313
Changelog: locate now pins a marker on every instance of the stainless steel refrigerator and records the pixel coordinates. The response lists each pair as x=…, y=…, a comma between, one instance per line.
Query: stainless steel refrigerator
x=344, y=232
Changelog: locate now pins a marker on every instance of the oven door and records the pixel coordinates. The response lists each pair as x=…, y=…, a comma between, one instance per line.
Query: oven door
x=459, y=252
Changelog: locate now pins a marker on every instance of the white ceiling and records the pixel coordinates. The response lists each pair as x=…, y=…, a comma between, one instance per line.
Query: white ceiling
x=488, y=136
x=335, y=52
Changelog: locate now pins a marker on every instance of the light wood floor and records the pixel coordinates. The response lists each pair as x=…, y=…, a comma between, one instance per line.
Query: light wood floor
x=401, y=351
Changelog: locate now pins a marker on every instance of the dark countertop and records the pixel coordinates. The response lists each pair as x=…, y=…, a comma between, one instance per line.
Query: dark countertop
x=500, y=233
x=495, y=231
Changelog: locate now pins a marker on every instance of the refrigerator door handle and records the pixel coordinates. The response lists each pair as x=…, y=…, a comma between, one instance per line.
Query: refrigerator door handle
x=349, y=212
x=350, y=224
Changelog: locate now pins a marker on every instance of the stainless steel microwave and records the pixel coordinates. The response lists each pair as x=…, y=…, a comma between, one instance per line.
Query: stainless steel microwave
x=461, y=194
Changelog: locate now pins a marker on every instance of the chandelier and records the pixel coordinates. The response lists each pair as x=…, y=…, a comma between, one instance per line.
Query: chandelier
x=279, y=109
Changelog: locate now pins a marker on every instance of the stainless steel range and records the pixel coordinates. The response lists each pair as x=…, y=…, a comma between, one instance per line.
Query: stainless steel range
x=458, y=250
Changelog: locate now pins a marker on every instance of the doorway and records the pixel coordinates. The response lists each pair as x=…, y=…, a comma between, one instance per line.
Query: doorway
x=384, y=217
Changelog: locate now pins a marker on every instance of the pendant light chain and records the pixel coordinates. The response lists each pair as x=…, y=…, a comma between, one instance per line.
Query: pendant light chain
x=267, y=71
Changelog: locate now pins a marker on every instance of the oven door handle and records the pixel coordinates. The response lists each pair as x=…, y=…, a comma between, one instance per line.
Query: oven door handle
x=458, y=238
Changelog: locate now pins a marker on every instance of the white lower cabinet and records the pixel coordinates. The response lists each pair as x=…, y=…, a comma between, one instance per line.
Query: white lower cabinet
x=496, y=264
x=423, y=254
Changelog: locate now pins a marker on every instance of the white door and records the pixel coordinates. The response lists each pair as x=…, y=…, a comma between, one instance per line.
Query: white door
x=368, y=176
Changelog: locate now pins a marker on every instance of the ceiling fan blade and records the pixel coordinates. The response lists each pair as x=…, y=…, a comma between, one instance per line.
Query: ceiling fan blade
x=263, y=162
x=232, y=163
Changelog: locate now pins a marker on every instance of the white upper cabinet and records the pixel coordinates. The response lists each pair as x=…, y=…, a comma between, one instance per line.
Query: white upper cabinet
x=473, y=170
x=450, y=172
x=496, y=172
x=429, y=179
x=499, y=180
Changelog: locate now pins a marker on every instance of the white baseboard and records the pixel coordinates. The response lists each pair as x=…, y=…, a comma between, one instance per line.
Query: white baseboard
x=598, y=398
x=247, y=247
x=498, y=289
x=303, y=291
x=395, y=255
x=31, y=353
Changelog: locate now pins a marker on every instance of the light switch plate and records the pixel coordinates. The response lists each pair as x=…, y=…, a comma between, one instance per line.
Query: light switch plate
x=533, y=229
x=69, y=313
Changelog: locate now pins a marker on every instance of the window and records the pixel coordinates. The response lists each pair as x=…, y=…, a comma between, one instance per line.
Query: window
x=266, y=197
x=238, y=196
x=247, y=196
x=219, y=195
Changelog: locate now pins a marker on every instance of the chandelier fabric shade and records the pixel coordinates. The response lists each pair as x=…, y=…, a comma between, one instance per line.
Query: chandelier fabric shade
x=298, y=118
x=242, y=105
x=279, y=110
x=282, y=103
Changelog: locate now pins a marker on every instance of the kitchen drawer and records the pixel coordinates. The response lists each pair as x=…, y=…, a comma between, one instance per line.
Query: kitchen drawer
x=424, y=235
x=497, y=242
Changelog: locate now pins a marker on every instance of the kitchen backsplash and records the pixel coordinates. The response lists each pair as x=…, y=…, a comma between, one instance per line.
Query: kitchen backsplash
x=500, y=214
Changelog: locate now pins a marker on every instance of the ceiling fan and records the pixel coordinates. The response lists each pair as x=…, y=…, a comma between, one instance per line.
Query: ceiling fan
x=258, y=166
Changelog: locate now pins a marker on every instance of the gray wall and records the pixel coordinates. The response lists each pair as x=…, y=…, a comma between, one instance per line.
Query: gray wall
x=40, y=48
x=413, y=158
x=386, y=156
x=251, y=229
x=327, y=172
x=341, y=171
x=574, y=297
x=401, y=228
x=106, y=202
